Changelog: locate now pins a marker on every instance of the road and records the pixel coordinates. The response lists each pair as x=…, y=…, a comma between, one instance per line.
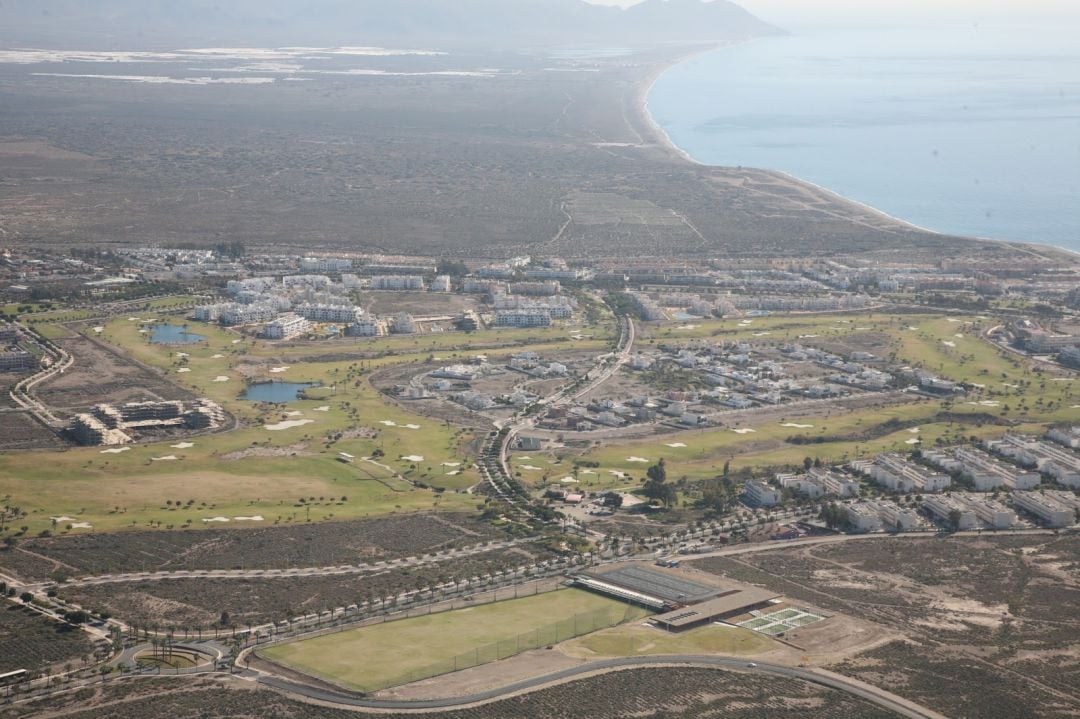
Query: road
x=607, y=366
x=880, y=697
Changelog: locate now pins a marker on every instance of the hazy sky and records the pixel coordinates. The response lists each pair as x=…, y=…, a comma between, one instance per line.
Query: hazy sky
x=883, y=12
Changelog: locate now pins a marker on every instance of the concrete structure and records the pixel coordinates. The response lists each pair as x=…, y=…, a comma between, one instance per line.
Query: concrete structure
x=522, y=318
x=18, y=361
x=760, y=494
x=1060, y=464
x=904, y=520
x=340, y=314
x=1048, y=508
x=326, y=264
x=1065, y=436
x=109, y=424
x=286, y=327
x=988, y=473
x=898, y=474
x=404, y=324
x=994, y=514
x=442, y=283
x=949, y=509
x=536, y=289
x=728, y=605
x=397, y=282
x=237, y=314
x=863, y=518
x=365, y=327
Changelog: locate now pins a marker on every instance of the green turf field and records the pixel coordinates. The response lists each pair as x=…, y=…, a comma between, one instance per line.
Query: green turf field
x=385, y=655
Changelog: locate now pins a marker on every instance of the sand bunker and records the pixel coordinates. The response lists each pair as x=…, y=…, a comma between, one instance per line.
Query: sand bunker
x=221, y=378
x=288, y=424
x=687, y=327
x=294, y=413
x=183, y=369
x=793, y=425
x=745, y=430
x=913, y=440
x=183, y=445
x=453, y=473
x=324, y=408
x=256, y=518
x=116, y=450
x=568, y=480
x=412, y=426
x=99, y=330
x=81, y=525
x=278, y=370
x=676, y=445
x=167, y=458
x=62, y=519
x=414, y=458
x=388, y=422
x=451, y=464
x=947, y=343
x=637, y=459
x=914, y=430
x=217, y=357
x=218, y=519
x=531, y=468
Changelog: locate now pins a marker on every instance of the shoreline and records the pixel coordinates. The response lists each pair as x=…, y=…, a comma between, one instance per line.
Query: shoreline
x=662, y=139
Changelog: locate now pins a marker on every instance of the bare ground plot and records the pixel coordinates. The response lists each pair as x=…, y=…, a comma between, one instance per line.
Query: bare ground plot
x=419, y=304
x=312, y=545
x=32, y=642
x=19, y=431
x=101, y=374
x=445, y=165
x=654, y=693
x=190, y=603
x=998, y=609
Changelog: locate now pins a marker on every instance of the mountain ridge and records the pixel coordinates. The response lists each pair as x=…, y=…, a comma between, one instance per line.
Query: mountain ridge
x=498, y=24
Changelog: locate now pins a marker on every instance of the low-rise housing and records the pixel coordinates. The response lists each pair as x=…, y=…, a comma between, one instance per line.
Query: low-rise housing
x=286, y=327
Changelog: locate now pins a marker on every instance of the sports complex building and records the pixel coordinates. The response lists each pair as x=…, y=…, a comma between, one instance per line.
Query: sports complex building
x=682, y=602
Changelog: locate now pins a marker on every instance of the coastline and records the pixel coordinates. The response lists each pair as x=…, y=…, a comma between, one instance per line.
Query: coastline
x=662, y=139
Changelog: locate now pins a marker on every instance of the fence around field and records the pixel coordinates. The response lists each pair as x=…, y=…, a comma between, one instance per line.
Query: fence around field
x=543, y=636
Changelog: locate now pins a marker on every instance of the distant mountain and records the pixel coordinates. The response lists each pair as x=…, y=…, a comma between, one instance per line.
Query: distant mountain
x=474, y=24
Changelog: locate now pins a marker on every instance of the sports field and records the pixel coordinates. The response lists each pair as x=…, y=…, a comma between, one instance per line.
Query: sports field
x=385, y=655
x=639, y=639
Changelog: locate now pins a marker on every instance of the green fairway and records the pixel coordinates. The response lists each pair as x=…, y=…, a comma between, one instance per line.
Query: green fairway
x=385, y=655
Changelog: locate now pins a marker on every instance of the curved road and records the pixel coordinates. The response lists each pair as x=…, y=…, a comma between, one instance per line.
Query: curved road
x=876, y=696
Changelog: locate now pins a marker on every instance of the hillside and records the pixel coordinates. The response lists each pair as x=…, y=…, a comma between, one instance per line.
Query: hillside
x=484, y=24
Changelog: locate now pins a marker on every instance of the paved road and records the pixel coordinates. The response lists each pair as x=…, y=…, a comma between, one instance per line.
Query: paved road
x=877, y=696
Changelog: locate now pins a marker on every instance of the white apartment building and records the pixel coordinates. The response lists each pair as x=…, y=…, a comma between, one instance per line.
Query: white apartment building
x=522, y=318
x=287, y=327
x=760, y=494
x=342, y=314
x=442, y=283
x=314, y=282
x=365, y=327
x=905, y=520
x=943, y=507
x=834, y=483
x=404, y=324
x=397, y=282
x=1048, y=508
x=325, y=264
x=247, y=314
x=995, y=514
x=987, y=473
x=863, y=518
x=898, y=474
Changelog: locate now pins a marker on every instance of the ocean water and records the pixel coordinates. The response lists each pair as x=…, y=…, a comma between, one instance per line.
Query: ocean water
x=967, y=130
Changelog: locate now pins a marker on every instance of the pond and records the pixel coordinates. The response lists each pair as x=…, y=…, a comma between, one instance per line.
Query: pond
x=277, y=392
x=173, y=335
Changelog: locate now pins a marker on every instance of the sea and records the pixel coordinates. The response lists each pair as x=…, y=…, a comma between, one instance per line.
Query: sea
x=969, y=130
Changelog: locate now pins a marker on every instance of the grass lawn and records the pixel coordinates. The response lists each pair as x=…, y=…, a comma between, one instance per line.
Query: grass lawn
x=384, y=655
x=637, y=639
